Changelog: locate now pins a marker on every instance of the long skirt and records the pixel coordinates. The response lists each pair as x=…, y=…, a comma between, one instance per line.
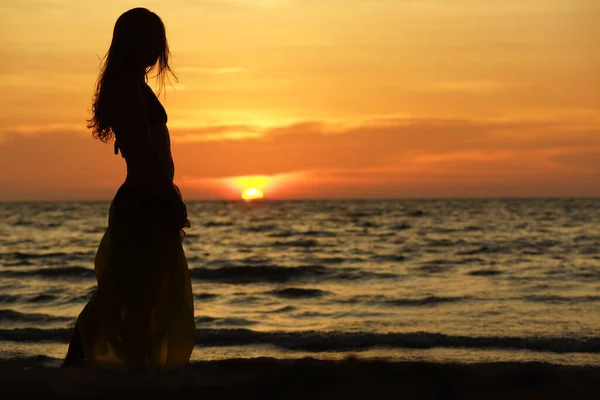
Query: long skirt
x=142, y=312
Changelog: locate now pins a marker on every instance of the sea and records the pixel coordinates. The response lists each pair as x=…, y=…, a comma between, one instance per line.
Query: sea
x=465, y=280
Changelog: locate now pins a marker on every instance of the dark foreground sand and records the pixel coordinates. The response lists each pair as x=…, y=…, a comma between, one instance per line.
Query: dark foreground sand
x=308, y=379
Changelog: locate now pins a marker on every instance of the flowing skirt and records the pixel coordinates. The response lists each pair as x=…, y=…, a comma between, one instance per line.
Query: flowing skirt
x=142, y=312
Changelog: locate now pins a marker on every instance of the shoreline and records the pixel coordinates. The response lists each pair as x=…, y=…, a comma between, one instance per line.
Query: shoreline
x=309, y=378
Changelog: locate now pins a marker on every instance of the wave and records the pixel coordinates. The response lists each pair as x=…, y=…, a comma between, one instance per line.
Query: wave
x=445, y=242
x=253, y=260
x=333, y=341
x=56, y=335
x=205, y=296
x=214, y=224
x=591, y=250
x=288, y=233
x=484, y=250
x=29, y=361
x=245, y=300
x=17, y=263
x=349, y=341
x=274, y=273
x=282, y=234
x=359, y=214
x=389, y=258
x=586, y=238
x=318, y=233
x=295, y=243
x=9, y=298
x=84, y=298
x=281, y=310
x=366, y=224
x=335, y=260
x=415, y=213
x=432, y=268
x=561, y=299
x=378, y=300
x=591, y=274
x=401, y=227
x=471, y=260
x=485, y=272
x=261, y=228
x=444, y=231
x=15, y=316
x=299, y=293
x=62, y=255
x=52, y=272
x=22, y=222
x=42, y=298
x=269, y=273
x=212, y=321
x=426, y=301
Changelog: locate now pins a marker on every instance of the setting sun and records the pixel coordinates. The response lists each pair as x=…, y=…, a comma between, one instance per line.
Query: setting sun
x=252, y=193
x=251, y=187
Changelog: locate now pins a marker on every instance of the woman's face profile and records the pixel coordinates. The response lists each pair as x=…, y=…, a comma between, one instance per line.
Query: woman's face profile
x=152, y=44
x=139, y=38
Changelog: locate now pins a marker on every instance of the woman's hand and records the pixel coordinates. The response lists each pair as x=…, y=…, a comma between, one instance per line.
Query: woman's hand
x=186, y=221
x=180, y=217
x=177, y=210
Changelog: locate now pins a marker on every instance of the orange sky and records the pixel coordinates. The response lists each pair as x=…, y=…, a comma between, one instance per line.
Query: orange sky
x=318, y=98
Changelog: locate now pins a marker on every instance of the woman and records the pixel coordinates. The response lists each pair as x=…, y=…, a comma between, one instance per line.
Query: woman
x=142, y=312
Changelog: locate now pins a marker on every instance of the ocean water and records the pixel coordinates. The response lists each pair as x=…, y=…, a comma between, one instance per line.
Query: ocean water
x=433, y=280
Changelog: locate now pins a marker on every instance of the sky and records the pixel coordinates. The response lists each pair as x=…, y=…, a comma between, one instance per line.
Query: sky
x=318, y=98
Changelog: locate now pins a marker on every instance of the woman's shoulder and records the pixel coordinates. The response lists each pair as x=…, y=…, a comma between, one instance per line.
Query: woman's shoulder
x=125, y=101
x=124, y=93
x=125, y=86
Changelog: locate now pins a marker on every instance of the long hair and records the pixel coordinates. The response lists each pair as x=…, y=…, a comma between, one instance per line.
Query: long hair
x=139, y=46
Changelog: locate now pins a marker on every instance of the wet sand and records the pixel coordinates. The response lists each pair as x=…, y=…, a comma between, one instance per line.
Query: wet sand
x=308, y=379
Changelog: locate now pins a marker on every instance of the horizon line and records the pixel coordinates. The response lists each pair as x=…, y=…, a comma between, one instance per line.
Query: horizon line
x=281, y=200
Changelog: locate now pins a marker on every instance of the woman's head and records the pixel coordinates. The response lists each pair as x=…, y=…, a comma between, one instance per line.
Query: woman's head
x=139, y=42
x=139, y=45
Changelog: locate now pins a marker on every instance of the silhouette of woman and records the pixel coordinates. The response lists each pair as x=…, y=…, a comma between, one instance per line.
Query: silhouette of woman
x=142, y=312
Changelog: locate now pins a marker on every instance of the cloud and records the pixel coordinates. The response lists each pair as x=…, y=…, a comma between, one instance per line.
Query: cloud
x=27, y=129
x=235, y=4
x=213, y=70
x=586, y=160
x=46, y=80
x=421, y=154
x=216, y=133
x=54, y=164
x=471, y=86
x=33, y=5
x=383, y=158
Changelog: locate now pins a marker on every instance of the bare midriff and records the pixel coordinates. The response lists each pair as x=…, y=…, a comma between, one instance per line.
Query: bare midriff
x=138, y=175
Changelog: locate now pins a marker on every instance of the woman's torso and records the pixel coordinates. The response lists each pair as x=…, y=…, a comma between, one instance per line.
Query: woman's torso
x=136, y=176
x=156, y=119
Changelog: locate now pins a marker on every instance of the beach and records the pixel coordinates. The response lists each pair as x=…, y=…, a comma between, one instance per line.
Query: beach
x=308, y=378
x=469, y=281
x=469, y=299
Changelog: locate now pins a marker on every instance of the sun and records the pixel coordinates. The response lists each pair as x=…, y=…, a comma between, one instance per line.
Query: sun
x=251, y=187
x=252, y=194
